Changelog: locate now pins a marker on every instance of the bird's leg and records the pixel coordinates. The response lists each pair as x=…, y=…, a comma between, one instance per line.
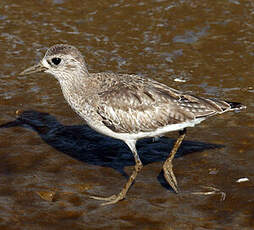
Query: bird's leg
x=168, y=166
x=138, y=166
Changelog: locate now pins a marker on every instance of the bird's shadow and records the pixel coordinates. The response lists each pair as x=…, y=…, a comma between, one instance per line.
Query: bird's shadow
x=84, y=144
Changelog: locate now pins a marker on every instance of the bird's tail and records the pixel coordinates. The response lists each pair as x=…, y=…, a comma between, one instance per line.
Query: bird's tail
x=235, y=105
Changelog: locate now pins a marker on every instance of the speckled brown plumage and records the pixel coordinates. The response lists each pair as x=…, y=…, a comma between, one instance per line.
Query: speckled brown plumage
x=127, y=107
x=134, y=104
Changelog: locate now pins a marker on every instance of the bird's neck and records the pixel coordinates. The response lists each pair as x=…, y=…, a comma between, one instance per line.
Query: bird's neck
x=77, y=89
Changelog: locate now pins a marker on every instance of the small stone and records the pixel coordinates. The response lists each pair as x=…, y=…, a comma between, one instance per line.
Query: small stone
x=243, y=179
x=179, y=80
x=46, y=195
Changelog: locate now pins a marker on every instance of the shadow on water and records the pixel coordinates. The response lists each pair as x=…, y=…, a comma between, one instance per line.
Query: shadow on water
x=84, y=144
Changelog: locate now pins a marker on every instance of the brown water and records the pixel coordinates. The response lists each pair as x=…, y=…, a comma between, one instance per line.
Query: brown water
x=50, y=164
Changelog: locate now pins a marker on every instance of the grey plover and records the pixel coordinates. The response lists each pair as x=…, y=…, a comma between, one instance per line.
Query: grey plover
x=127, y=107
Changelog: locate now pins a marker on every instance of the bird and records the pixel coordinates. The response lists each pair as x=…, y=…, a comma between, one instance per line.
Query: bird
x=127, y=107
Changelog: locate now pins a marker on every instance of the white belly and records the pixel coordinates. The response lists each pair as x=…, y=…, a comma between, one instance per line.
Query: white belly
x=136, y=136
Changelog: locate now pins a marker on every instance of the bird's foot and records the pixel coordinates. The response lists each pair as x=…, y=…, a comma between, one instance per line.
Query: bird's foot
x=170, y=176
x=110, y=200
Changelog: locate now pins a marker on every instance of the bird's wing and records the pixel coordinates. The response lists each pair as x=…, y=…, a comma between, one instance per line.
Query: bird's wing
x=146, y=105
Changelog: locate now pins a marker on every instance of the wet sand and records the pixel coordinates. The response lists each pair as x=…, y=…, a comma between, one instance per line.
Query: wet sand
x=51, y=161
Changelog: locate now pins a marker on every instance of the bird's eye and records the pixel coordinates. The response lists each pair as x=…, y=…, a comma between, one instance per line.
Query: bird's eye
x=56, y=61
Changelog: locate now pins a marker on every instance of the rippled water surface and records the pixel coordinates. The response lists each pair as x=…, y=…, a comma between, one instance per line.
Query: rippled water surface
x=51, y=162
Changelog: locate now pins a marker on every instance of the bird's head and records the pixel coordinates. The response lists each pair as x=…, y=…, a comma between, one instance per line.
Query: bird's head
x=62, y=61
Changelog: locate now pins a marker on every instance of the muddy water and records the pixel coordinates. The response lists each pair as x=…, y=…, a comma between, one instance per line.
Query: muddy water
x=51, y=162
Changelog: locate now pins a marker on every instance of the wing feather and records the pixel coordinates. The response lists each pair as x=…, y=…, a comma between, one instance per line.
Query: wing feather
x=135, y=104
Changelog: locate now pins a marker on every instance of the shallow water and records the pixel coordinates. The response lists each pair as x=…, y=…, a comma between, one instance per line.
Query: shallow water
x=51, y=163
